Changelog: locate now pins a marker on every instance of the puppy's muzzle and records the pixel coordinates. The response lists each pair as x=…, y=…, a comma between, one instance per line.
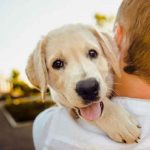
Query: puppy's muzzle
x=88, y=89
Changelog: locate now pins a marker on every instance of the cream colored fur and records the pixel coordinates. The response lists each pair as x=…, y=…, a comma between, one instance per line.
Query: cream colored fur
x=71, y=44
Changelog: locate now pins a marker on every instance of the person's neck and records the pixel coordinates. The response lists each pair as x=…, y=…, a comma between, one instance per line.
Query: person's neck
x=131, y=86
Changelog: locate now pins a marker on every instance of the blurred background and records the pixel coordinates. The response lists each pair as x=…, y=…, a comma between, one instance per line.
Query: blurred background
x=23, y=23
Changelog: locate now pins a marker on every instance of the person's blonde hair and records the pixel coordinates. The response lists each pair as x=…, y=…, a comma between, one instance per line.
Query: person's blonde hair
x=134, y=16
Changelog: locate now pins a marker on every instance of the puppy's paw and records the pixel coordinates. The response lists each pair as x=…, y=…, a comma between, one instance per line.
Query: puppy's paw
x=125, y=130
x=119, y=125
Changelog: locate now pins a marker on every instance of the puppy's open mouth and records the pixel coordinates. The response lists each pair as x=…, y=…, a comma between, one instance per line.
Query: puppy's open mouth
x=92, y=112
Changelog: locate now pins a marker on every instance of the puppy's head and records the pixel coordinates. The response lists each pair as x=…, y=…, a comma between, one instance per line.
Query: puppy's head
x=76, y=62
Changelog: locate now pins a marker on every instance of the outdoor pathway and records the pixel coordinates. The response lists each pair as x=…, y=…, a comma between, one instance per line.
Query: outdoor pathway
x=14, y=138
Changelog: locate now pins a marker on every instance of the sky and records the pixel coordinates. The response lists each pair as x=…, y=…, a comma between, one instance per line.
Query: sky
x=24, y=22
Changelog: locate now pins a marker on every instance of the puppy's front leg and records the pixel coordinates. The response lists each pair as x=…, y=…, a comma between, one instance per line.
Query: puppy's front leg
x=118, y=123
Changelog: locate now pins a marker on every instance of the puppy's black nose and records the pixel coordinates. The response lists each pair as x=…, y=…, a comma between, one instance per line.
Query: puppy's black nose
x=88, y=89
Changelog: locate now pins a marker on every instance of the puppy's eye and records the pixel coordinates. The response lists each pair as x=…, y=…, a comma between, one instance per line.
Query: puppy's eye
x=58, y=64
x=92, y=53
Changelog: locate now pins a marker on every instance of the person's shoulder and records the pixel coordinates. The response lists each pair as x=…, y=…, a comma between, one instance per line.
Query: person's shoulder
x=45, y=117
x=42, y=124
x=46, y=114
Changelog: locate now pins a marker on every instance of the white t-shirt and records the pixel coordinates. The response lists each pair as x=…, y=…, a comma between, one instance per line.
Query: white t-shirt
x=54, y=129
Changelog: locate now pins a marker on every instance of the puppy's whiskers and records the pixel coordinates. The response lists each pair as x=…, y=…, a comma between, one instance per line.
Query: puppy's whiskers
x=114, y=92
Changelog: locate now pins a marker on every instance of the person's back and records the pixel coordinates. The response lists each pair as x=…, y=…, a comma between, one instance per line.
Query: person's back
x=54, y=129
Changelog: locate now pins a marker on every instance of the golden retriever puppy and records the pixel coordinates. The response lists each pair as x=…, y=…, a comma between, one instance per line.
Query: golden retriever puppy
x=77, y=63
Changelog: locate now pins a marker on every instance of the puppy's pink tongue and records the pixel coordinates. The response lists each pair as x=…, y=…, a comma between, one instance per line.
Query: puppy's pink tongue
x=91, y=112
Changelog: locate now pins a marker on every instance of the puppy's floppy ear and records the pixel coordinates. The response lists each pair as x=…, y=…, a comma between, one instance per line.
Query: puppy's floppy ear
x=110, y=50
x=36, y=68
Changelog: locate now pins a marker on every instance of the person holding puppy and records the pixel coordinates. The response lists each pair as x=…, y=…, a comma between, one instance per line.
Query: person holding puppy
x=132, y=35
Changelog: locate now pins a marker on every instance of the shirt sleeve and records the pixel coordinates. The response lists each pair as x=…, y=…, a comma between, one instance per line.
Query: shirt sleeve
x=40, y=127
x=43, y=133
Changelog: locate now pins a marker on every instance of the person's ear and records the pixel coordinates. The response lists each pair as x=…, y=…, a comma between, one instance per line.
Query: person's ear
x=118, y=30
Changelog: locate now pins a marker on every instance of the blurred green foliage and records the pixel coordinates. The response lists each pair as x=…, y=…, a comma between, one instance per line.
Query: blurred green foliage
x=18, y=87
x=23, y=102
x=102, y=19
x=24, y=110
